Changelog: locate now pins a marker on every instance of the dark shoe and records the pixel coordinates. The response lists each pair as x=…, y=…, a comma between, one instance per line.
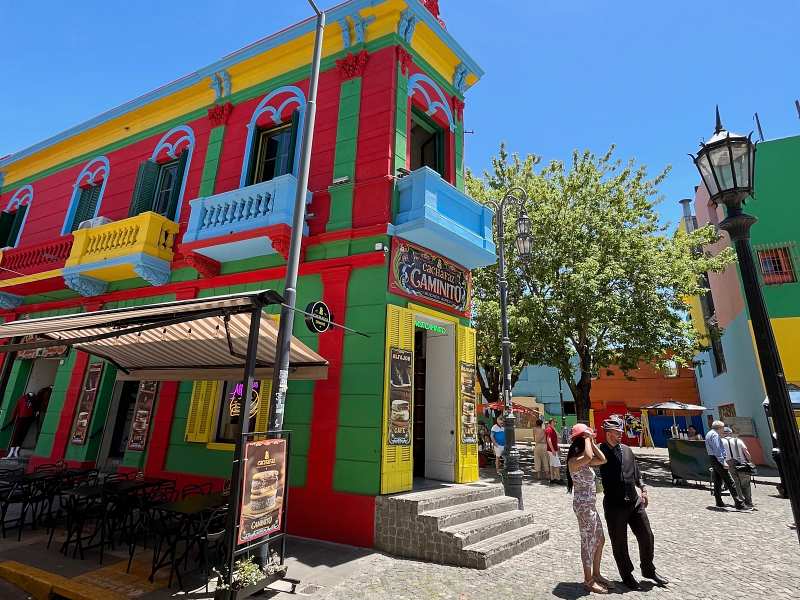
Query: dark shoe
x=658, y=579
x=631, y=583
x=744, y=507
x=721, y=504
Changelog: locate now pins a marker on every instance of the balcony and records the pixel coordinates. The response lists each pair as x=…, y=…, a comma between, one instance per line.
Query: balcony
x=32, y=269
x=139, y=246
x=436, y=215
x=251, y=221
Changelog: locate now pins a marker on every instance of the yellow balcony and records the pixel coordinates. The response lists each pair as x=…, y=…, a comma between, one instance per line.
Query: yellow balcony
x=139, y=246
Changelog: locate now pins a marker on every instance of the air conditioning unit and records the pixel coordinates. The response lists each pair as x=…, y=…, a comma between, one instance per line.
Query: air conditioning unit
x=96, y=222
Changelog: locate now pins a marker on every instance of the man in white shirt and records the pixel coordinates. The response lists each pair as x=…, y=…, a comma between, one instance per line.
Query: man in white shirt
x=738, y=455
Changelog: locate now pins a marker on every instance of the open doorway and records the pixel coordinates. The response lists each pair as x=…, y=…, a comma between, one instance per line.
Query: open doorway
x=434, y=442
x=118, y=425
x=31, y=408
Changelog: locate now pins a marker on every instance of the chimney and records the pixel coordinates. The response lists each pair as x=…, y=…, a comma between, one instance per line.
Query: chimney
x=688, y=218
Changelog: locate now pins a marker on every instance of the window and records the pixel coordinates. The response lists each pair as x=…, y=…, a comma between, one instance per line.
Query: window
x=10, y=225
x=427, y=147
x=273, y=151
x=776, y=266
x=87, y=205
x=230, y=408
x=215, y=412
x=670, y=369
x=158, y=187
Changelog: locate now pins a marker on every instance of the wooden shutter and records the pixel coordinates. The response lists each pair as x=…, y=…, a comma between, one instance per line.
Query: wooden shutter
x=87, y=205
x=16, y=225
x=145, y=190
x=6, y=221
x=292, y=142
x=202, y=410
x=466, y=454
x=397, y=468
x=180, y=173
x=262, y=417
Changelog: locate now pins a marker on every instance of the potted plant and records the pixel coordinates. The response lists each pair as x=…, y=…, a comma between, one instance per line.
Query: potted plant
x=249, y=578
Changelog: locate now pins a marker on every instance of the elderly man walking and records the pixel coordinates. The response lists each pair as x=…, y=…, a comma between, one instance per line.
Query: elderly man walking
x=624, y=507
x=719, y=466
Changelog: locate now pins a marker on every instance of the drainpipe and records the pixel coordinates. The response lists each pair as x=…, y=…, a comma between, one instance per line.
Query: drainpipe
x=688, y=218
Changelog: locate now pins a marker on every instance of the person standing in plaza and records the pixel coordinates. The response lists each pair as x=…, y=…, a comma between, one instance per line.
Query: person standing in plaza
x=552, y=450
x=739, y=464
x=719, y=465
x=624, y=506
x=498, y=435
x=541, y=458
x=583, y=454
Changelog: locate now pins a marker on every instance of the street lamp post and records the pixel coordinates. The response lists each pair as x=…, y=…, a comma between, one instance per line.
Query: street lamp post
x=512, y=478
x=727, y=164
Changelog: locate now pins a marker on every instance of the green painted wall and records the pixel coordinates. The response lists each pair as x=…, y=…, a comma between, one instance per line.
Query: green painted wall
x=344, y=164
x=44, y=445
x=777, y=179
x=358, y=440
x=88, y=450
x=212, y=161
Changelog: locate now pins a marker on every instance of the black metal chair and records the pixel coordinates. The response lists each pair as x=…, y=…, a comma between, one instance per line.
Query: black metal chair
x=211, y=538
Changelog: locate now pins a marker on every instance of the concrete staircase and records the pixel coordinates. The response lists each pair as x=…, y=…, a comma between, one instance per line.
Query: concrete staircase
x=472, y=525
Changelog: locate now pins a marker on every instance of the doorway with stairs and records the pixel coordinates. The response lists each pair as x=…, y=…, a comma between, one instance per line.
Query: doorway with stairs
x=118, y=425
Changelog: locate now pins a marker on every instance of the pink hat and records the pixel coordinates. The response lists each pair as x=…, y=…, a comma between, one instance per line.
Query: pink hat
x=579, y=429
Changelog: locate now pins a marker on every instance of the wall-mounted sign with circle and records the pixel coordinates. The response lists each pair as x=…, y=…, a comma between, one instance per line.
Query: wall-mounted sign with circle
x=319, y=317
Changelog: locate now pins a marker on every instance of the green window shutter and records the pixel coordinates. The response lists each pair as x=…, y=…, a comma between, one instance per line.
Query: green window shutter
x=293, y=141
x=87, y=204
x=16, y=225
x=145, y=190
x=6, y=220
x=180, y=173
x=202, y=410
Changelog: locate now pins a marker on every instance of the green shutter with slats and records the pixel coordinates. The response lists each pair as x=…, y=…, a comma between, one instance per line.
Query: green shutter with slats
x=180, y=172
x=16, y=225
x=293, y=141
x=6, y=220
x=145, y=190
x=87, y=205
x=202, y=410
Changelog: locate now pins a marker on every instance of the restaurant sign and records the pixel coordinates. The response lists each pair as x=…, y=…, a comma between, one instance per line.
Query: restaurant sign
x=425, y=276
x=263, y=489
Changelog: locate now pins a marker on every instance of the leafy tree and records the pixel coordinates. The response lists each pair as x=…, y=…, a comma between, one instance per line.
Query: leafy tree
x=605, y=284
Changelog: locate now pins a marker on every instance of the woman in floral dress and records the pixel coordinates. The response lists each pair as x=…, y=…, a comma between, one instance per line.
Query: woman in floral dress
x=583, y=454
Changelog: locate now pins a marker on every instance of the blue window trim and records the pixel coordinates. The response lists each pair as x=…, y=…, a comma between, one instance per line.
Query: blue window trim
x=171, y=147
x=22, y=197
x=431, y=104
x=89, y=174
x=266, y=106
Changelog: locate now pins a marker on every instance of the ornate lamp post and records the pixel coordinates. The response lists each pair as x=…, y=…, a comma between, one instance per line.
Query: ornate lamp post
x=727, y=164
x=512, y=478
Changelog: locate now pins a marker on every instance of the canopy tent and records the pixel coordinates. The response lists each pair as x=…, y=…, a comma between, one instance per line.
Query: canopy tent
x=675, y=406
x=517, y=408
x=184, y=340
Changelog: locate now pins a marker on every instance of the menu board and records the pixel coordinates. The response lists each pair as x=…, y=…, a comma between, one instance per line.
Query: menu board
x=400, y=396
x=263, y=489
x=142, y=413
x=469, y=434
x=86, y=404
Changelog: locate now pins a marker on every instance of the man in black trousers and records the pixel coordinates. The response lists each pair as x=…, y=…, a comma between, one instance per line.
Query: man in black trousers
x=623, y=506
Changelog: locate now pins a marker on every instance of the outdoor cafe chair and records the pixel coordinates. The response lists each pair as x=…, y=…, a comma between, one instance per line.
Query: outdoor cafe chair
x=211, y=538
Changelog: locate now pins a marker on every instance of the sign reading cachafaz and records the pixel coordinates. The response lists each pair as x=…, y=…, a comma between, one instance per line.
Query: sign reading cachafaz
x=424, y=275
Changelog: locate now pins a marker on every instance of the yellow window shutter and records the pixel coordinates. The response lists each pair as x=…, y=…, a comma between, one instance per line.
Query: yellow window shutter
x=466, y=454
x=396, y=461
x=262, y=416
x=202, y=409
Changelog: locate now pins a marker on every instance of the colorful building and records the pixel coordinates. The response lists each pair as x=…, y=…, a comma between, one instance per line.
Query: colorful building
x=187, y=191
x=728, y=373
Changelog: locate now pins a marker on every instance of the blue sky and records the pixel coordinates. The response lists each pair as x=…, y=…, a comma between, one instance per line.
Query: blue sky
x=559, y=74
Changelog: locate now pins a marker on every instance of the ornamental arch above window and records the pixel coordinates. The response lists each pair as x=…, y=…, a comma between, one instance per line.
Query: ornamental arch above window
x=161, y=180
x=12, y=219
x=272, y=148
x=87, y=193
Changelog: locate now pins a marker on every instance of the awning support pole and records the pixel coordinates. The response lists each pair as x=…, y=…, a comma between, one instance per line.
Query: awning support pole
x=5, y=373
x=244, y=420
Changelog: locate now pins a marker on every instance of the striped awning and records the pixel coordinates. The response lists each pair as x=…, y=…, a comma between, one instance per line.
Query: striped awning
x=184, y=340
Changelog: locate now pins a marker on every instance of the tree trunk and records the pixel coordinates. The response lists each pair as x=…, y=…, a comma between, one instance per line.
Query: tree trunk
x=491, y=381
x=582, y=399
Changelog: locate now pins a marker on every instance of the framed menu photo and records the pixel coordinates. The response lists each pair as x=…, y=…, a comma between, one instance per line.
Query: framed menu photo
x=91, y=381
x=400, y=395
x=469, y=434
x=142, y=414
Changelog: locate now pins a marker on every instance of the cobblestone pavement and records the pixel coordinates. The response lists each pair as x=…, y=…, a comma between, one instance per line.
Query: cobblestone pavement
x=707, y=553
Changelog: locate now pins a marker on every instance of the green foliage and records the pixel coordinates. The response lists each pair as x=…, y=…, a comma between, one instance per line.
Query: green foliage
x=605, y=282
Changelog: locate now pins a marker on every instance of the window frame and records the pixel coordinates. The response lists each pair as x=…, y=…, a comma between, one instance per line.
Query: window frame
x=162, y=169
x=778, y=255
x=257, y=163
x=418, y=117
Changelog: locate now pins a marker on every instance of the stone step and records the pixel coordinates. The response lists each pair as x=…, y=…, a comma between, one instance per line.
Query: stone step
x=494, y=550
x=427, y=500
x=461, y=513
x=478, y=530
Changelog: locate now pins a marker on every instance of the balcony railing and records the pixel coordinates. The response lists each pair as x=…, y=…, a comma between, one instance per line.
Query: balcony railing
x=444, y=219
x=148, y=233
x=244, y=209
x=35, y=259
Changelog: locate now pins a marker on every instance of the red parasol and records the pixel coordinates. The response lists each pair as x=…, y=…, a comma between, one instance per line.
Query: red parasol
x=518, y=408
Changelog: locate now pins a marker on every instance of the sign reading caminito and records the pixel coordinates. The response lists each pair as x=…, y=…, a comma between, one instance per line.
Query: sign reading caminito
x=425, y=276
